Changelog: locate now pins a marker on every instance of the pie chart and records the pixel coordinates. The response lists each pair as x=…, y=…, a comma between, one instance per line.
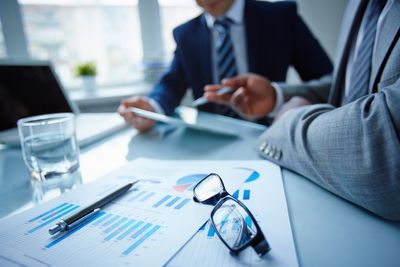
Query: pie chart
x=188, y=182
x=254, y=175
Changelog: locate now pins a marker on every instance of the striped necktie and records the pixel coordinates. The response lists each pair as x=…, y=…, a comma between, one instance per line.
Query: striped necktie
x=226, y=62
x=225, y=59
x=361, y=69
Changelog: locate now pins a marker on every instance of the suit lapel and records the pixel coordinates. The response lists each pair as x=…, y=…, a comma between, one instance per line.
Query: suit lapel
x=384, y=38
x=251, y=36
x=351, y=22
x=203, y=43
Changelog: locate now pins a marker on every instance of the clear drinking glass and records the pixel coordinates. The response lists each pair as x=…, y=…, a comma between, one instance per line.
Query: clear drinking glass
x=49, y=145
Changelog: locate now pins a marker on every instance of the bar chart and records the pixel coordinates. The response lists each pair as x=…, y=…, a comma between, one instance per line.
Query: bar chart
x=156, y=200
x=51, y=216
x=172, y=202
x=242, y=194
x=107, y=226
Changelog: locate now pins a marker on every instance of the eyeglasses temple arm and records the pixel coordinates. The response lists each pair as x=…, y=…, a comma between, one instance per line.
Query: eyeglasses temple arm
x=261, y=246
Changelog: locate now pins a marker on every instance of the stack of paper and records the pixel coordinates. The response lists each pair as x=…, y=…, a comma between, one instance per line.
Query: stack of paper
x=153, y=221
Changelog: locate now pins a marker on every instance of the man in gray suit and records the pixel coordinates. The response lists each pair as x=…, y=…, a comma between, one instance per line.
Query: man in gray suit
x=351, y=145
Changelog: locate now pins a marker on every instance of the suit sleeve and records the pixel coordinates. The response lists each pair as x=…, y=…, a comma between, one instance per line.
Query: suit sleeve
x=308, y=57
x=316, y=91
x=172, y=87
x=352, y=151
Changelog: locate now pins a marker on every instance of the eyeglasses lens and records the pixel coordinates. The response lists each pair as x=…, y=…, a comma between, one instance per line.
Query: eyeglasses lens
x=208, y=188
x=234, y=224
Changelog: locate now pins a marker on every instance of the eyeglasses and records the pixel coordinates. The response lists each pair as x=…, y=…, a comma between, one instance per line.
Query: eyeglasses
x=231, y=219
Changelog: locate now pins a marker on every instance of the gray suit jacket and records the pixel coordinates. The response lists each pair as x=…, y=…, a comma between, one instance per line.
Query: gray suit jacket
x=351, y=150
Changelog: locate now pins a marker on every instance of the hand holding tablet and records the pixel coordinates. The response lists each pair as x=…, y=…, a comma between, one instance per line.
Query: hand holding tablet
x=178, y=122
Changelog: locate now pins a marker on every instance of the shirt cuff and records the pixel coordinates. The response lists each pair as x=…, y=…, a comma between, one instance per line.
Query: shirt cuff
x=155, y=105
x=278, y=100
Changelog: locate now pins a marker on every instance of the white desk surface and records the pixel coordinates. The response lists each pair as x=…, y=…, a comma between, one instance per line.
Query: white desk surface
x=328, y=230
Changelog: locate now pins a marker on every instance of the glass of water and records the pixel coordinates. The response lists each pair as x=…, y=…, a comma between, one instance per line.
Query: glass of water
x=49, y=145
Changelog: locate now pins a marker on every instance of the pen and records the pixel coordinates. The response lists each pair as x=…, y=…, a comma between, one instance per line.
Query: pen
x=88, y=212
x=202, y=100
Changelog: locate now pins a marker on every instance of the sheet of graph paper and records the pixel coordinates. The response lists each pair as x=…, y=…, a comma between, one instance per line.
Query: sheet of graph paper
x=157, y=217
x=263, y=193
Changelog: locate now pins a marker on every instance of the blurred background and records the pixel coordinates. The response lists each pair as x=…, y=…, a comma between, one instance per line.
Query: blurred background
x=129, y=41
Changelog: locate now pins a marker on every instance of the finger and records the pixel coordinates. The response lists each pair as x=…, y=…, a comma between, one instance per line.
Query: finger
x=138, y=122
x=241, y=103
x=121, y=109
x=212, y=87
x=236, y=82
x=143, y=124
x=237, y=99
x=128, y=102
x=221, y=99
x=124, y=112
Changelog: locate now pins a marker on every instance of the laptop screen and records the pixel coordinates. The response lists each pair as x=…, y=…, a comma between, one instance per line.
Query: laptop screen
x=27, y=91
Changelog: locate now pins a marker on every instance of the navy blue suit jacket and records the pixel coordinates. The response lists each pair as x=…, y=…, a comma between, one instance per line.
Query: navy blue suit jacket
x=276, y=38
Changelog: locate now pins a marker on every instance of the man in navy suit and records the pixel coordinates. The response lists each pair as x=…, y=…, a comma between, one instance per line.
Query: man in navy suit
x=232, y=37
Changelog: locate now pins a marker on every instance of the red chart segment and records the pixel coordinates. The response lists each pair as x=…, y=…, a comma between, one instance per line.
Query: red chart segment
x=188, y=182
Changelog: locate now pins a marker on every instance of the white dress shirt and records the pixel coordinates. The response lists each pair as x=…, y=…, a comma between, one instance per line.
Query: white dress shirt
x=238, y=37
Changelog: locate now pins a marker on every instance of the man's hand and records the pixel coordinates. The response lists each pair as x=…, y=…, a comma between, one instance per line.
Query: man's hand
x=253, y=98
x=140, y=123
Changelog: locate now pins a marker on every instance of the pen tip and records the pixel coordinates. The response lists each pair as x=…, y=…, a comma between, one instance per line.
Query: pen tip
x=55, y=229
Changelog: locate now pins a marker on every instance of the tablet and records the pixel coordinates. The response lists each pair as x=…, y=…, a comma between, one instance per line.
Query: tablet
x=179, y=122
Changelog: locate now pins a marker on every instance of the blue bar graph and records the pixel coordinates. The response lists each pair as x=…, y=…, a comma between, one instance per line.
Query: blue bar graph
x=183, y=203
x=130, y=230
x=141, y=240
x=203, y=227
x=102, y=219
x=161, y=201
x=53, y=219
x=113, y=219
x=141, y=193
x=236, y=194
x=173, y=201
x=108, y=226
x=115, y=225
x=141, y=230
x=57, y=212
x=149, y=195
x=246, y=194
x=69, y=233
x=47, y=212
x=118, y=231
x=211, y=231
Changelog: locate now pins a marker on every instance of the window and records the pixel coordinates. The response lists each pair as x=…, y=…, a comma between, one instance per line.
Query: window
x=70, y=32
x=106, y=32
x=174, y=13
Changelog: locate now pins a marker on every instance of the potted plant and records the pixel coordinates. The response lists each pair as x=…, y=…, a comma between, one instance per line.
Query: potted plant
x=87, y=72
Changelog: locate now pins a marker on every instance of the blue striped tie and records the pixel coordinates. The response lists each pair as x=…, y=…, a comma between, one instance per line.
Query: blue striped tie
x=226, y=62
x=359, y=80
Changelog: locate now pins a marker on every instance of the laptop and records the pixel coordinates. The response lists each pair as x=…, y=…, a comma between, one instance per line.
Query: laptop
x=32, y=88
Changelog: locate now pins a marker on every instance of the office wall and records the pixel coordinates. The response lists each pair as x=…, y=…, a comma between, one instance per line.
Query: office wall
x=324, y=18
